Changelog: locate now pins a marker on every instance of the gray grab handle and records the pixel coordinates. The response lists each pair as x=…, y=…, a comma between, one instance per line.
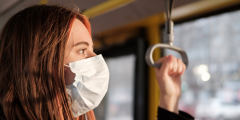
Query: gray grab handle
x=149, y=58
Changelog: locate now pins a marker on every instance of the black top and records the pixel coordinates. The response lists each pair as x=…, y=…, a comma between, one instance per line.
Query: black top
x=162, y=115
x=167, y=115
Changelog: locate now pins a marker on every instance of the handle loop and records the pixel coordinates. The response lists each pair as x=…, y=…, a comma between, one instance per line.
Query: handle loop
x=149, y=59
x=168, y=38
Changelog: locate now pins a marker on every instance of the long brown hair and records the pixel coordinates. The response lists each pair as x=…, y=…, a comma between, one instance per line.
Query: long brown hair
x=32, y=47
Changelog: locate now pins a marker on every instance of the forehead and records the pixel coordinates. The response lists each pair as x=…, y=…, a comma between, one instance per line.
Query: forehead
x=79, y=33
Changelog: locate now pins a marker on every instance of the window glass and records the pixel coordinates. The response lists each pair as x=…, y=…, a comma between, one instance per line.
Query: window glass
x=211, y=84
x=118, y=103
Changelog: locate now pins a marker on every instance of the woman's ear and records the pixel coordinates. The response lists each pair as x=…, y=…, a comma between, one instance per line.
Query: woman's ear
x=64, y=68
x=69, y=75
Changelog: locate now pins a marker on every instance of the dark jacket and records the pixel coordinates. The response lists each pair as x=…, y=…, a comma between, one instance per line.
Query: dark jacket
x=162, y=115
x=167, y=115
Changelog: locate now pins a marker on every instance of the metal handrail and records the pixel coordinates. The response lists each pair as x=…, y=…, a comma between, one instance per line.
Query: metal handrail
x=168, y=39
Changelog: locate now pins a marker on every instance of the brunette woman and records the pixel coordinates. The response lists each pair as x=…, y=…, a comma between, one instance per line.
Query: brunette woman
x=48, y=70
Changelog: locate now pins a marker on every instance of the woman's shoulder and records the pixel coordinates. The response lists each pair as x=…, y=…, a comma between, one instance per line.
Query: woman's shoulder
x=2, y=116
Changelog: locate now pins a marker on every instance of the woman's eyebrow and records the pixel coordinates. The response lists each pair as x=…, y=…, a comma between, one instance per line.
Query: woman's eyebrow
x=81, y=43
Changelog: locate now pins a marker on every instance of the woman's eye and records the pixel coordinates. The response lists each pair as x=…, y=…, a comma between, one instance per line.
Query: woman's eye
x=82, y=51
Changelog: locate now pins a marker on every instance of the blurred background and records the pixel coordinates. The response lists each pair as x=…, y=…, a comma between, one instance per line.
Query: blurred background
x=122, y=30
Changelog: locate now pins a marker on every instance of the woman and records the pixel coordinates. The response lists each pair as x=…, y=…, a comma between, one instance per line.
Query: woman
x=49, y=70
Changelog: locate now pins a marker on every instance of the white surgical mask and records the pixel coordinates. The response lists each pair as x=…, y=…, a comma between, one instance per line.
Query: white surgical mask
x=90, y=86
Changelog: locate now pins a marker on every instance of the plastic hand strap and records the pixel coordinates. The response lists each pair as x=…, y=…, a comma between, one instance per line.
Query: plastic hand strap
x=150, y=50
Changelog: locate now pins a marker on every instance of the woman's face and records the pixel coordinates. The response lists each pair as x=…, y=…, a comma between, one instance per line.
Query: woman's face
x=79, y=46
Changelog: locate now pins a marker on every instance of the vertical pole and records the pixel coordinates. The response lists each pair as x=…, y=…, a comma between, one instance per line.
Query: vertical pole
x=153, y=34
x=141, y=79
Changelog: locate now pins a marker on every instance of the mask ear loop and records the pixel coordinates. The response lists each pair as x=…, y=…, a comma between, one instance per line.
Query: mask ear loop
x=66, y=65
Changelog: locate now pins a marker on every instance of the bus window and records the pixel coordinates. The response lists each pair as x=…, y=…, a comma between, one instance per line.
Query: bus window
x=211, y=84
